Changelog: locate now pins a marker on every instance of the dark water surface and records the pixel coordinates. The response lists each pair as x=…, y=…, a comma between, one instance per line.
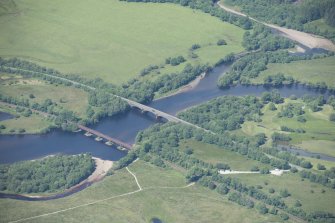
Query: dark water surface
x=125, y=127
x=5, y=116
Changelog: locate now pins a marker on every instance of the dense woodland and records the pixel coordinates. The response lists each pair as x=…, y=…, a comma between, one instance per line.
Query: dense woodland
x=45, y=175
x=224, y=113
x=291, y=13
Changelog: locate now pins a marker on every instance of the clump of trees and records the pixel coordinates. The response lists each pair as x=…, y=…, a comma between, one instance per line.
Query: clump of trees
x=224, y=113
x=278, y=79
x=45, y=175
x=291, y=110
x=174, y=61
x=148, y=69
x=272, y=97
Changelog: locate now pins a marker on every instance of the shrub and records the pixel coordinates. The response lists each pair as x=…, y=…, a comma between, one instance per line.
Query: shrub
x=301, y=119
x=195, y=46
x=332, y=117
x=321, y=167
x=221, y=42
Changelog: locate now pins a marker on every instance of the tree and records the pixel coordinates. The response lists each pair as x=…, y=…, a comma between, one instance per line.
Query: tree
x=262, y=208
x=272, y=106
x=222, y=189
x=306, y=164
x=284, y=193
x=271, y=190
x=222, y=166
x=321, y=167
x=297, y=203
x=332, y=117
x=221, y=42
x=284, y=216
x=189, y=151
x=195, y=46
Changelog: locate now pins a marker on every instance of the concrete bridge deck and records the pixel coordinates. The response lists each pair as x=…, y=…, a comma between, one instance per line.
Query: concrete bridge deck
x=106, y=137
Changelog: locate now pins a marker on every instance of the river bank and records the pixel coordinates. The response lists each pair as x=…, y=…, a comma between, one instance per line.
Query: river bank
x=184, y=88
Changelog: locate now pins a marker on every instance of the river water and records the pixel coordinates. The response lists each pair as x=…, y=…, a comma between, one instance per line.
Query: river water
x=125, y=127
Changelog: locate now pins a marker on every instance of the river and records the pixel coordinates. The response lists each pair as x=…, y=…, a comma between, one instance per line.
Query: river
x=125, y=127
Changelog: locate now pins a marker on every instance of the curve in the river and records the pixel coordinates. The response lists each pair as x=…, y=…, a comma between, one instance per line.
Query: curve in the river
x=126, y=126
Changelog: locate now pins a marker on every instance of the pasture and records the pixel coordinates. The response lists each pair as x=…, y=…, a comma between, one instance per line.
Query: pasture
x=305, y=71
x=110, y=39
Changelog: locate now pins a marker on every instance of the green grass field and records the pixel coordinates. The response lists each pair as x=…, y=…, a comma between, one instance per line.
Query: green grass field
x=191, y=204
x=213, y=154
x=300, y=190
x=328, y=147
x=32, y=124
x=70, y=98
x=318, y=127
x=305, y=71
x=110, y=39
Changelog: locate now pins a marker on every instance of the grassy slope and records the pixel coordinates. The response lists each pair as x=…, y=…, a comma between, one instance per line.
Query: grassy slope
x=192, y=204
x=73, y=99
x=110, y=39
x=306, y=71
x=213, y=154
x=317, y=127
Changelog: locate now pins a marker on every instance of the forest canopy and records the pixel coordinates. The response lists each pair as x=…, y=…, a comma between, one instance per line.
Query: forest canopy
x=45, y=175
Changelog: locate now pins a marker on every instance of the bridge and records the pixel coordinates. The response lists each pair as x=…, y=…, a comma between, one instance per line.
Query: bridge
x=133, y=104
x=106, y=137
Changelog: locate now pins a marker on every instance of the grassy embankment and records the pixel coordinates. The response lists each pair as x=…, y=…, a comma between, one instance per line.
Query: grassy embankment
x=319, y=135
x=305, y=71
x=191, y=204
x=113, y=40
x=69, y=98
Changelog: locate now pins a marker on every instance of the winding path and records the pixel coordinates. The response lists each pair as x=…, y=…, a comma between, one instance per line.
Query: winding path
x=306, y=39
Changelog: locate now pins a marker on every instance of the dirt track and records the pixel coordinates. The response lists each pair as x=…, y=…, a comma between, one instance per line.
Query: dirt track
x=306, y=39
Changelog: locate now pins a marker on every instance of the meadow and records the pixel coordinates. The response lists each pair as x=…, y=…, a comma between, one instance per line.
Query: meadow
x=112, y=40
x=32, y=124
x=70, y=98
x=305, y=71
x=319, y=130
x=309, y=194
x=164, y=196
x=214, y=154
